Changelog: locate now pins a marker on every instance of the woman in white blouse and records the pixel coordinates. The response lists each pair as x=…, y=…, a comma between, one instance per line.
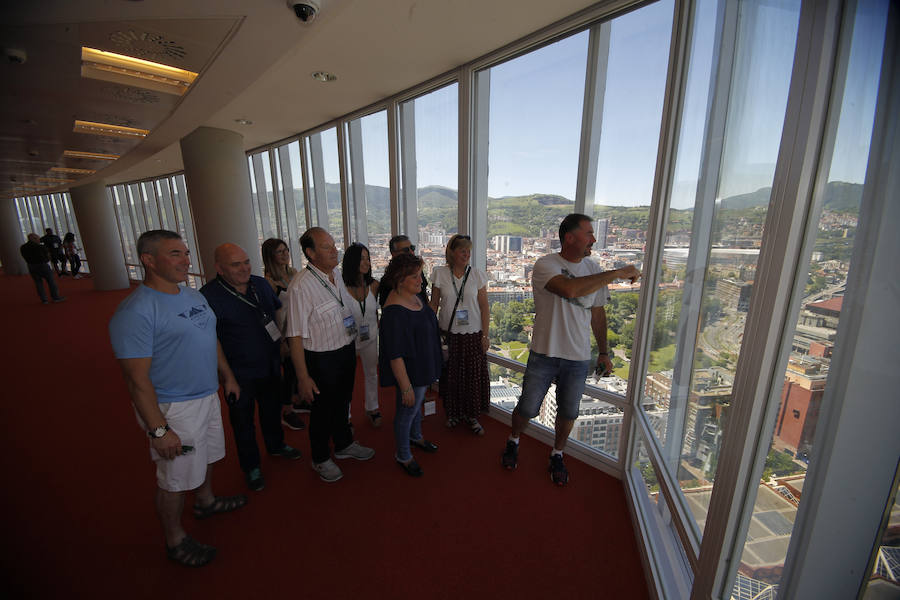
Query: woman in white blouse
x=459, y=296
x=356, y=270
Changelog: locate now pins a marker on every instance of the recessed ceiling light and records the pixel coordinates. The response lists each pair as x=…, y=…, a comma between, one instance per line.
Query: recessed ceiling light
x=91, y=155
x=324, y=76
x=131, y=133
x=73, y=171
x=243, y=121
x=118, y=68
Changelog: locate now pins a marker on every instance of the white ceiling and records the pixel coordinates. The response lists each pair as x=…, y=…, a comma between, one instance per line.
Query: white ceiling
x=254, y=57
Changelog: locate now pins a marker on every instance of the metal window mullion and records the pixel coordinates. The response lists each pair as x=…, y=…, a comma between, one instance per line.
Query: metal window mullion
x=409, y=190
x=290, y=205
x=317, y=164
x=479, y=145
x=465, y=167
x=701, y=228
x=342, y=183
x=358, y=177
x=305, y=184
x=393, y=111
x=673, y=106
x=760, y=367
x=592, y=117
x=262, y=199
x=277, y=195
x=850, y=480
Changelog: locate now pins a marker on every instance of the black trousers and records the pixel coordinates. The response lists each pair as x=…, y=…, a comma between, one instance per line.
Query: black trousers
x=334, y=374
x=265, y=393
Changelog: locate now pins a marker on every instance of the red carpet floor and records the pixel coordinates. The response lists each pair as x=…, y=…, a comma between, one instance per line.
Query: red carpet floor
x=78, y=516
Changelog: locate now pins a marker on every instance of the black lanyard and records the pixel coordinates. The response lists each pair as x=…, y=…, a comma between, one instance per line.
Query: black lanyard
x=326, y=286
x=462, y=289
x=242, y=298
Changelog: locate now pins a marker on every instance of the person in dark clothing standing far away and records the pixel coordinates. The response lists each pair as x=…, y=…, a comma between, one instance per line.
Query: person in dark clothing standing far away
x=164, y=335
x=245, y=308
x=570, y=291
x=37, y=257
x=410, y=356
x=54, y=245
x=400, y=244
x=321, y=333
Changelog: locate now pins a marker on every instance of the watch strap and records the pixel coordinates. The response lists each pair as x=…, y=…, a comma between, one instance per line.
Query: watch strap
x=152, y=432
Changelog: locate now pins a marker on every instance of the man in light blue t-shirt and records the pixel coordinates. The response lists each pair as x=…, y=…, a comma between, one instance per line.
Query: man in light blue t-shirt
x=164, y=336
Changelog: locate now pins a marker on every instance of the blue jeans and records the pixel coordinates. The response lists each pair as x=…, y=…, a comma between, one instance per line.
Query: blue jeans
x=40, y=273
x=408, y=423
x=543, y=370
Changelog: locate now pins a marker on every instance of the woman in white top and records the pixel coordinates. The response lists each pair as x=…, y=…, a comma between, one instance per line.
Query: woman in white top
x=459, y=296
x=278, y=272
x=356, y=270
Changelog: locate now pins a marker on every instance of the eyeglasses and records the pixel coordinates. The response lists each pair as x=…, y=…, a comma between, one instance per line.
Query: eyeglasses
x=411, y=248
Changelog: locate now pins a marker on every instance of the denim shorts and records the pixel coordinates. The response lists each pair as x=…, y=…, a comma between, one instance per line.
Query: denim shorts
x=569, y=377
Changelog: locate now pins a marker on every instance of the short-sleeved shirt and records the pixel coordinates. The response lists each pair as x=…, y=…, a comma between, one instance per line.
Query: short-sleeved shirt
x=178, y=331
x=562, y=326
x=443, y=279
x=365, y=313
x=240, y=326
x=316, y=310
x=34, y=253
x=413, y=336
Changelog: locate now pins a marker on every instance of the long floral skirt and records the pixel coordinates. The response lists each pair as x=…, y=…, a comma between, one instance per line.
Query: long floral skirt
x=465, y=385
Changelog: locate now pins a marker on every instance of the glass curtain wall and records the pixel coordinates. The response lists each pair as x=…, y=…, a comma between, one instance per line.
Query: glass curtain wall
x=154, y=204
x=37, y=213
x=429, y=167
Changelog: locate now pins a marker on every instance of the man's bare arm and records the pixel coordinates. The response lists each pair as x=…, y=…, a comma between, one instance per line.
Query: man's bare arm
x=569, y=287
x=137, y=377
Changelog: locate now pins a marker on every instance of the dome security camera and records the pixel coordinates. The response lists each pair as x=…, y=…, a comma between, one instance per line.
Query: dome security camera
x=306, y=10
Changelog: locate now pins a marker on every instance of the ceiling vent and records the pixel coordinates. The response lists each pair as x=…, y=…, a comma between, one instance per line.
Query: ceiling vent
x=147, y=45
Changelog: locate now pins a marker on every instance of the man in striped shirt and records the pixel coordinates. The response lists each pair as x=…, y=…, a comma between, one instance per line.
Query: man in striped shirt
x=321, y=333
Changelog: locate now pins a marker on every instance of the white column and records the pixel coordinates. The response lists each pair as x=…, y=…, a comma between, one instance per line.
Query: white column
x=11, y=239
x=100, y=239
x=218, y=185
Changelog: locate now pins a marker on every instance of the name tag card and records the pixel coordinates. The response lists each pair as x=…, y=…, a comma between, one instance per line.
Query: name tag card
x=462, y=317
x=363, y=333
x=272, y=329
x=350, y=325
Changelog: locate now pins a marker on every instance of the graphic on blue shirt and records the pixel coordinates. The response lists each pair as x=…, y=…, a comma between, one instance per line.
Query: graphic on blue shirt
x=198, y=315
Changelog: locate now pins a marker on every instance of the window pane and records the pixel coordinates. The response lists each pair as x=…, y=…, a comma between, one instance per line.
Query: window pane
x=185, y=221
x=333, y=186
x=694, y=346
x=150, y=205
x=780, y=490
x=129, y=239
x=532, y=166
x=254, y=199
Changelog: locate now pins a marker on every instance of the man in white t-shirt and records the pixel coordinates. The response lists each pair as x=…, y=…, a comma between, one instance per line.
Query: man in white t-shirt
x=569, y=297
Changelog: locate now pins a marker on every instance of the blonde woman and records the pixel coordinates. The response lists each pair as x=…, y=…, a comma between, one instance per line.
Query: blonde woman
x=459, y=296
x=278, y=272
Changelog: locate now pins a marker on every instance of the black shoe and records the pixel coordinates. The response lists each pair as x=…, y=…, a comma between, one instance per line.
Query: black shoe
x=302, y=407
x=510, y=458
x=255, y=480
x=292, y=421
x=288, y=452
x=425, y=445
x=412, y=468
x=559, y=474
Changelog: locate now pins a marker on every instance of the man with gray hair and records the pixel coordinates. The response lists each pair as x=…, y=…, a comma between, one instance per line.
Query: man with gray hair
x=164, y=335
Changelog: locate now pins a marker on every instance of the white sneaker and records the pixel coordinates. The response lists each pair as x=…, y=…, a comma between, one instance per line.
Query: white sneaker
x=328, y=471
x=355, y=450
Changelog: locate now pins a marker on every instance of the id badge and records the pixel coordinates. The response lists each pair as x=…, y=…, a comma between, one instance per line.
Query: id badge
x=273, y=331
x=363, y=333
x=430, y=407
x=350, y=325
x=462, y=317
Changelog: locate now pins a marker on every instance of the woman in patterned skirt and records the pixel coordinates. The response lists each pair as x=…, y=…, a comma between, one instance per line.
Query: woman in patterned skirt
x=459, y=296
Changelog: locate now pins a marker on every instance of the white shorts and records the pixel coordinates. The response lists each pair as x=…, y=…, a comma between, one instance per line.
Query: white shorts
x=199, y=424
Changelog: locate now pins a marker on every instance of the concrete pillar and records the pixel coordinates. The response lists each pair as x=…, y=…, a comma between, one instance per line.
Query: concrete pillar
x=100, y=236
x=218, y=183
x=11, y=239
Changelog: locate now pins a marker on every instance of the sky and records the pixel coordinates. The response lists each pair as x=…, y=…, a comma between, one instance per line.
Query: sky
x=536, y=107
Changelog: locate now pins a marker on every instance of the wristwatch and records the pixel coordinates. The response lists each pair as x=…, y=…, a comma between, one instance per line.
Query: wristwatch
x=159, y=431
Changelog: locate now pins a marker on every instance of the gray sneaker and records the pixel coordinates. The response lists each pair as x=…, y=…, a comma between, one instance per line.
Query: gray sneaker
x=355, y=450
x=328, y=471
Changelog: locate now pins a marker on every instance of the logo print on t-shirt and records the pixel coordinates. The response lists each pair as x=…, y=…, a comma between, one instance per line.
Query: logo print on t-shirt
x=198, y=315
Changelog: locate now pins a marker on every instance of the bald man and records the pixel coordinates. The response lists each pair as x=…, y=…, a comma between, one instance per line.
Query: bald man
x=245, y=308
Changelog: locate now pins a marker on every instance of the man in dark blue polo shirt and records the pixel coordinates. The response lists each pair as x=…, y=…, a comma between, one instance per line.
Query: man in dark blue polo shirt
x=245, y=308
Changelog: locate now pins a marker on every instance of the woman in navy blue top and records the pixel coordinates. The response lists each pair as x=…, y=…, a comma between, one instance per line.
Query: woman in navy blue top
x=410, y=355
